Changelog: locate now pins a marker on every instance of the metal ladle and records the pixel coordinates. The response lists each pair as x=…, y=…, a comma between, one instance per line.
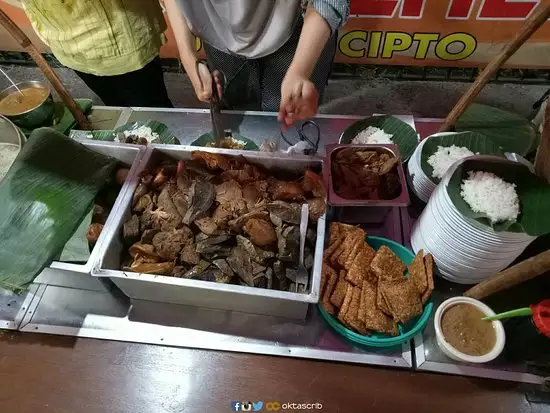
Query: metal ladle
x=11, y=81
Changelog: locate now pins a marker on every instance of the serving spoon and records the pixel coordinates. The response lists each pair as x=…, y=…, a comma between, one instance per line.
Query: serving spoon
x=12, y=82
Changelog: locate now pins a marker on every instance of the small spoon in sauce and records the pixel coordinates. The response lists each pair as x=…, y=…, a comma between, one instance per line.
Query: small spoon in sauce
x=13, y=83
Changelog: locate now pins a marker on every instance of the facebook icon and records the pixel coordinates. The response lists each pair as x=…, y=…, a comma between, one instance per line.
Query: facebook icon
x=235, y=406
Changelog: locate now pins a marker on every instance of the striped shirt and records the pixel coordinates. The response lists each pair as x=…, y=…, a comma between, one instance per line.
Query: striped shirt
x=101, y=37
x=254, y=28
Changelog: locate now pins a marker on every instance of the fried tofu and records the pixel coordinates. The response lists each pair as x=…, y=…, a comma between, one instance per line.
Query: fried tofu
x=403, y=300
x=337, y=297
x=387, y=265
x=429, y=263
x=417, y=273
x=324, y=278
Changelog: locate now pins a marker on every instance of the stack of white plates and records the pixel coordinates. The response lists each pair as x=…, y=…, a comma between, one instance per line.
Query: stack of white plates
x=464, y=250
x=420, y=184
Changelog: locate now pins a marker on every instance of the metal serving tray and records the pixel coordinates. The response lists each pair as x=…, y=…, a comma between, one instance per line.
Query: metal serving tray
x=335, y=200
x=129, y=155
x=201, y=293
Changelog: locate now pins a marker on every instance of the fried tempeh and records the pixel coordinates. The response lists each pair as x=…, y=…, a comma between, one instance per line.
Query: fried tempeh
x=331, y=283
x=345, y=305
x=429, y=263
x=403, y=300
x=352, y=315
x=360, y=268
x=337, y=297
x=417, y=273
x=387, y=265
x=374, y=318
x=381, y=300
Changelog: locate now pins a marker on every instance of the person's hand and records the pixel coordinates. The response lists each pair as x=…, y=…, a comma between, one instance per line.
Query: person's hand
x=299, y=99
x=202, y=83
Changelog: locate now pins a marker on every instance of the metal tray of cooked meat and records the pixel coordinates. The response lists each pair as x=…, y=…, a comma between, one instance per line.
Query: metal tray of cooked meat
x=65, y=273
x=176, y=290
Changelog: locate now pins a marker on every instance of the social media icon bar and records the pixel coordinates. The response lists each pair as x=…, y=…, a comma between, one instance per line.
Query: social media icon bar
x=273, y=406
x=247, y=406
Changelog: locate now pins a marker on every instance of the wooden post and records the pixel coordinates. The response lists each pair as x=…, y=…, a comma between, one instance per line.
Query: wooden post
x=50, y=74
x=542, y=161
x=532, y=24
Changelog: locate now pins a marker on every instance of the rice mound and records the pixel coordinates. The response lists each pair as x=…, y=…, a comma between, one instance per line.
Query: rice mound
x=445, y=156
x=372, y=135
x=488, y=194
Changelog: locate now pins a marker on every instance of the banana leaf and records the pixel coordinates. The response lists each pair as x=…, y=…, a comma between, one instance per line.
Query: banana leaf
x=208, y=138
x=512, y=132
x=77, y=249
x=477, y=143
x=165, y=134
x=44, y=196
x=404, y=136
x=533, y=193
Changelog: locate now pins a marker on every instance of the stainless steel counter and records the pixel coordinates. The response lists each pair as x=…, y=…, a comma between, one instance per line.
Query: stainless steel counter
x=78, y=307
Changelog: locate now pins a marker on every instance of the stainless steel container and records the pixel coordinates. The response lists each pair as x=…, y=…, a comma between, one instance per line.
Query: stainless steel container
x=334, y=199
x=66, y=274
x=202, y=293
x=40, y=115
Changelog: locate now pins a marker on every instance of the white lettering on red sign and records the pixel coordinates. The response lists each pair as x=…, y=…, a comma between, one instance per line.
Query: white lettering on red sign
x=506, y=9
x=456, y=10
x=409, y=9
x=460, y=9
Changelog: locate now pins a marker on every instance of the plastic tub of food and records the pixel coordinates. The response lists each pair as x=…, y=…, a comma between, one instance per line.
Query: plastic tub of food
x=407, y=331
x=453, y=352
x=385, y=186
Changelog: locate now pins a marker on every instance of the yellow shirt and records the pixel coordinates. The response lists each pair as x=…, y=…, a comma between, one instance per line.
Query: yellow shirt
x=101, y=37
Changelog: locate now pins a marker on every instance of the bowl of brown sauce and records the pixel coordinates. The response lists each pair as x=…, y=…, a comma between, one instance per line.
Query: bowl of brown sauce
x=30, y=109
x=462, y=334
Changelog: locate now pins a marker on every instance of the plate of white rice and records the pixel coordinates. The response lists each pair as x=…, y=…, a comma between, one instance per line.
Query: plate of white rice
x=441, y=151
x=384, y=129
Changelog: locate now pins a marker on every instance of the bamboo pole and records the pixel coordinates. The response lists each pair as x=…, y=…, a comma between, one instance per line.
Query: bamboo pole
x=532, y=24
x=50, y=74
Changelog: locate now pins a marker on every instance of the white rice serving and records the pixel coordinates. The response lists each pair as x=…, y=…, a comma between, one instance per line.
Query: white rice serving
x=488, y=194
x=8, y=153
x=141, y=132
x=372, y=135
x=445, y=156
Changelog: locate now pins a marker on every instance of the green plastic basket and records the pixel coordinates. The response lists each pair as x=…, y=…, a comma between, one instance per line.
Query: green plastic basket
x=407, y=331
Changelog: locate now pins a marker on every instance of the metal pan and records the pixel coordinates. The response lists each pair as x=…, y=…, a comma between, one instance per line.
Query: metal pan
x=202, y=293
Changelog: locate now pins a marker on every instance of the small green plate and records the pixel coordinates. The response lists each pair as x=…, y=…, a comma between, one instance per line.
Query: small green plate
x=407, y=331
x=207, y=138
x=404, y=136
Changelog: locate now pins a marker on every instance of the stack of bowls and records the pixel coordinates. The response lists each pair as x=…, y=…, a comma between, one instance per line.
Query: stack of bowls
x=421, y=185
x=465, y=251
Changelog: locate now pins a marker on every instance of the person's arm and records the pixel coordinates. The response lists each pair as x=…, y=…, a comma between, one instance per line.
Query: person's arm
x=299, y=98
x=186, y=43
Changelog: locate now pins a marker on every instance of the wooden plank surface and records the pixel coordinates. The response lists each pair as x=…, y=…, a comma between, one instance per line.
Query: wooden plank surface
x=41, y=373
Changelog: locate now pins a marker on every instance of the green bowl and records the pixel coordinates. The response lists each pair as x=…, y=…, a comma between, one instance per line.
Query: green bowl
x=207, y=138
x=407, y=331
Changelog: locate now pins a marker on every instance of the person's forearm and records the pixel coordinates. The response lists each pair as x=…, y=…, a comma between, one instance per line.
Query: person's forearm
x=313, y=39
x=185, y=40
